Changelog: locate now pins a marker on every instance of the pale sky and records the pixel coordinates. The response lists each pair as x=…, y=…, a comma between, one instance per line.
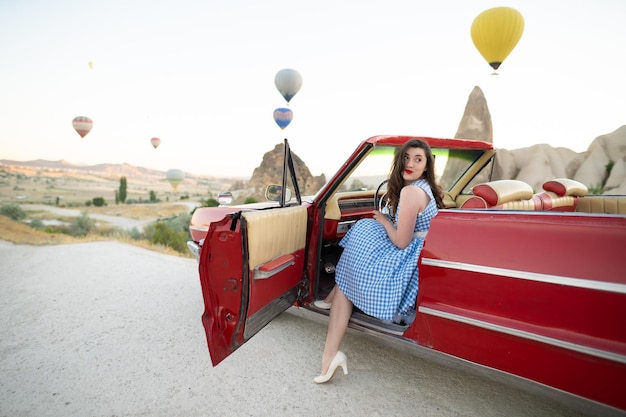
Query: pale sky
x=200, y=76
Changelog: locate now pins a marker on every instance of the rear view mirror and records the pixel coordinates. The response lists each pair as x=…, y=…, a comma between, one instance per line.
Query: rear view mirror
x=274, y=191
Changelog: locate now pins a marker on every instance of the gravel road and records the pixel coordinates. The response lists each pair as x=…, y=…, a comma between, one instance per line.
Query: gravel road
x=109, y=329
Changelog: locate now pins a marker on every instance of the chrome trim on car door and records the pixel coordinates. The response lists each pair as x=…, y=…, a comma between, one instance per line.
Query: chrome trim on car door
x=343, y=227
x=195, y=249
x=531, y=276
x=525, y=335
x=259, y=274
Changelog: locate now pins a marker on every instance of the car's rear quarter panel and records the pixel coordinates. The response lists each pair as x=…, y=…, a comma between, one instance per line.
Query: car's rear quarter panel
x=536, y=314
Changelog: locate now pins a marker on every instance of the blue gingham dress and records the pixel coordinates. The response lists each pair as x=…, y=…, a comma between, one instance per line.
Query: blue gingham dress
x=379, y=278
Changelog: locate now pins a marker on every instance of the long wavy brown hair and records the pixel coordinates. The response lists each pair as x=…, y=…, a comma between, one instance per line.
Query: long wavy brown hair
x=396, y=182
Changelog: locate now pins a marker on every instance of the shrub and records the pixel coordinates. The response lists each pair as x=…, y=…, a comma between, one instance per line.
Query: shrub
x=250, y=200
x=135, y=234
x=13, y=211
x=172, y=232
x=210, y=202
x=165, y=235
x=36, y=224
x=82, y=225
x=179, y=222
x=98, y=201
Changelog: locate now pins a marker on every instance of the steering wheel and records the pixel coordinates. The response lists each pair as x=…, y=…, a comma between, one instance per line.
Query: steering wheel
x=379, y=200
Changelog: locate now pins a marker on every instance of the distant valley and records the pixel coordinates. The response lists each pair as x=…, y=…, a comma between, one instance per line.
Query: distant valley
x=43, y=181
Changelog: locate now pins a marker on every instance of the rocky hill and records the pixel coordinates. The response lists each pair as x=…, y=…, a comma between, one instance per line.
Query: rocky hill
x=271, y=170
x=104, y=170
x=602, y=167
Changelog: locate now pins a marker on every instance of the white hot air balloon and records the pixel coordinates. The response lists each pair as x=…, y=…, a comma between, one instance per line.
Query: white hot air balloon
x=288, y=82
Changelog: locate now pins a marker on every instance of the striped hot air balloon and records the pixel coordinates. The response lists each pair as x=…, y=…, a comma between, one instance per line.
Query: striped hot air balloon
x=82, y=125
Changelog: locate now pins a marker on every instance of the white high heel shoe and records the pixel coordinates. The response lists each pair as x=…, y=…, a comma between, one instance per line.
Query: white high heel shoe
x=339, y=360
x=321, y=304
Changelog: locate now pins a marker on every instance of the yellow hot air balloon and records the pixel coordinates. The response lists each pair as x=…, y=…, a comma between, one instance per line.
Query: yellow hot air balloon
x=495, y=32
x=91, y=64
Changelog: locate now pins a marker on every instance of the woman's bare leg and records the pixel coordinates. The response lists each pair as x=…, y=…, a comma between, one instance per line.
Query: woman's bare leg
x=340, y=313
x=331, y=295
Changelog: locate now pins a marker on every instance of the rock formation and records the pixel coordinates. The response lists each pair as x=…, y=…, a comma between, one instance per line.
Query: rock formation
x=271, y=172
x=604, y=163
x=535, y=165
x=602, y=168
x=476, y=121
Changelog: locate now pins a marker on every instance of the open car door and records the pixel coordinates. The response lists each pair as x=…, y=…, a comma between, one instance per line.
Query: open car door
x=251, y=267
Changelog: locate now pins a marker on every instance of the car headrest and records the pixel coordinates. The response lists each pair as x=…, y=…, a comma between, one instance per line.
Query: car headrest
x=566, y=187
x=503, y=191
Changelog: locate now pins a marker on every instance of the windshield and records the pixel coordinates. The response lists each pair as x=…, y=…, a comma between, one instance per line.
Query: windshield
x=450, y=165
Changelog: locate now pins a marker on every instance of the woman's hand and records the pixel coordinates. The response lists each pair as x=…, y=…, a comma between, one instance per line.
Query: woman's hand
x=381, y=218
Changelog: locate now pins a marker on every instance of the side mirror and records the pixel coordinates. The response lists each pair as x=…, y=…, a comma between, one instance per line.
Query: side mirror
x=225, y=198
x=273, y=192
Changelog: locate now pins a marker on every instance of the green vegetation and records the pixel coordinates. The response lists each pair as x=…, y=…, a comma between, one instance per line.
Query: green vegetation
x=123, y=190
x=82, y=225
x=209, y=202
x=609, y=167
x=596, y=189
x=36, y=224
x=13, y=211
x=172, y=232
x=162, y=234
x=600, y=188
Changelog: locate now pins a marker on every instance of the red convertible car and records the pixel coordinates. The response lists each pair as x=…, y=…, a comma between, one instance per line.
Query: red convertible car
x=529, y=284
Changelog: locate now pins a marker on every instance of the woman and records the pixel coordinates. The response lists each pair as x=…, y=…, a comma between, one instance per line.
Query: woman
x=377, y=271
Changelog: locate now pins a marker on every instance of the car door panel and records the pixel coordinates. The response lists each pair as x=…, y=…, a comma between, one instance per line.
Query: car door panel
x=250, y=271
